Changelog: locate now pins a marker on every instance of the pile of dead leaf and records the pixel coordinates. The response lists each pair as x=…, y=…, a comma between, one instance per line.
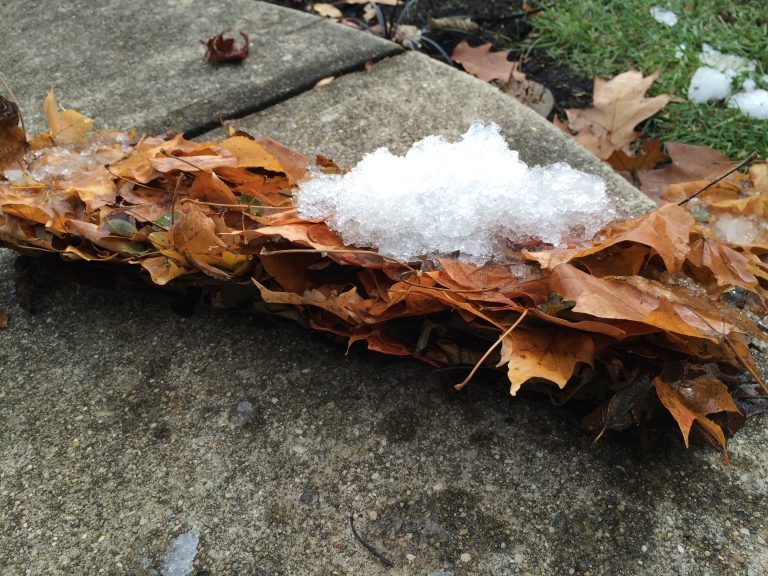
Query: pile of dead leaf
x=638, y=322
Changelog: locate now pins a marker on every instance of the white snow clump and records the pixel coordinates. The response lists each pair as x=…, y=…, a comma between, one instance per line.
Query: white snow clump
x=181, y=554
x=467, y=197
x=713, y=81
x=707, y=85
x=752, y=103
x=664, y=16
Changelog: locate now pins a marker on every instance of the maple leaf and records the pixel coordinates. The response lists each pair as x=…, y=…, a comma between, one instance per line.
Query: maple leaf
x=619, y=105
x=13, y=140
x=483, y=63
x=693, y=400
x=221, y=49
x=551, y=354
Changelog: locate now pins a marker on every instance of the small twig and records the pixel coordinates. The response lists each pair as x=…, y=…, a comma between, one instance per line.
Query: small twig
x=464, y=382
x=378, y=555
x=731, y=171
x=173, y=201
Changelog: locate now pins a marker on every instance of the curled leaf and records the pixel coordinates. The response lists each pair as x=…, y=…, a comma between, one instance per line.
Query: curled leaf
x=221, y=49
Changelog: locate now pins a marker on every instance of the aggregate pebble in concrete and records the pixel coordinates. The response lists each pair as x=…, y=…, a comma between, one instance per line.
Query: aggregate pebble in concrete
x=138, y=64
x=407, y=97
x=124, y=426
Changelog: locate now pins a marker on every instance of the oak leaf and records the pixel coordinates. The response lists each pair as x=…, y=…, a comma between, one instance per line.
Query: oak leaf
x=483, y=63
x=619, y=105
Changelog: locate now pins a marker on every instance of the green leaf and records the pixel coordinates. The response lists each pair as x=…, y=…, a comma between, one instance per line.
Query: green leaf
x=167, y=220
x=555, y=305
x=136, y=249
x=254, y=205
x=122, y=228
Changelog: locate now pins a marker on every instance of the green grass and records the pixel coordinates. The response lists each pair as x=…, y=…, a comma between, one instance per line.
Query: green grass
x=604, y=38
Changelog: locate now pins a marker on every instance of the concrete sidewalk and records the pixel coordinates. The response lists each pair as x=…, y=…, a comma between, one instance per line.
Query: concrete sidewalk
x=124, y=426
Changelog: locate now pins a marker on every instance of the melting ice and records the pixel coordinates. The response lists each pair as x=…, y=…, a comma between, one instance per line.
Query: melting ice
x=469, y=196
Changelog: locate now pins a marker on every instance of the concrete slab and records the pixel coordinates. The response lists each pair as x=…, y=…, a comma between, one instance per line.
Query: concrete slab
x=123, y=426
x=405, y=98
x=142, y=65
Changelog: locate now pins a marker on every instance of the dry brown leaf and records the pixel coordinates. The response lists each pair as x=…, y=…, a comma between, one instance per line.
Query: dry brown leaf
x=647, y=158
x=327, y=10
x=729, y=267
x=693, y=400
x=13, y=141
x=66, y=126
x=162, y=269
x=689, y=163
x=758, y=176
x=551, y=354
x=619, y=105
x=482, y=63
x=666, y=230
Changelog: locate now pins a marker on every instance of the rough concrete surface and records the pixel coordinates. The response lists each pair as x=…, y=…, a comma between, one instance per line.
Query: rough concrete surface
x=407, y=97
x=142, y=64
x=124, y=426
x=132, y=438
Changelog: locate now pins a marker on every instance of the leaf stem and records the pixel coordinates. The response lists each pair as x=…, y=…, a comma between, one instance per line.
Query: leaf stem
x=466, y=380
x=731, y=171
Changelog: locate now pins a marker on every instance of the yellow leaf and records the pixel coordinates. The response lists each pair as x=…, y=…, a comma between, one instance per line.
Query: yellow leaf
x=66, y=126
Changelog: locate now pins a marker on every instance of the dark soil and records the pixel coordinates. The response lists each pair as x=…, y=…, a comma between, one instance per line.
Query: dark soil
x=502, y=23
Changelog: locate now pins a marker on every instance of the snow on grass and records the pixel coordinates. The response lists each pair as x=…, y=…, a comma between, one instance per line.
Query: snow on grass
x=752, y=103
x=714, y=81
x=664, y=16
x=469, y=197
x=181, y=554
x=708, y=85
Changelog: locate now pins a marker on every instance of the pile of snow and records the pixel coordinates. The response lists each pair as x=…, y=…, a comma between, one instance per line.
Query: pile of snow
x=714, y=81
x=465, y=197
x=664, y=16
x=181, y=554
